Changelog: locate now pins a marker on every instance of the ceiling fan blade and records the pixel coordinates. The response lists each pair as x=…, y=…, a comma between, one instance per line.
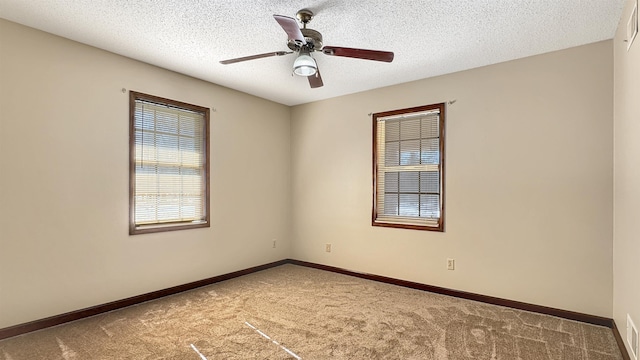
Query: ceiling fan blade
x=252, y=57
x=315, y=81
x=290, y=26
x=376, y=55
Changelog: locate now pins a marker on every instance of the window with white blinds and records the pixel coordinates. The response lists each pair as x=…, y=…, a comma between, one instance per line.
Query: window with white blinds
x=408, y=151
x=169, y=169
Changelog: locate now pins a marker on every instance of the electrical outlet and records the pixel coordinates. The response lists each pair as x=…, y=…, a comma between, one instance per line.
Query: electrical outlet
x=632, y=337
x=274, y=243
x=451, y=264
x=327, y=247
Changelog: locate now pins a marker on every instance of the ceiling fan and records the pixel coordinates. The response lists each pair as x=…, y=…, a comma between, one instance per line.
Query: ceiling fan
x=304, y=42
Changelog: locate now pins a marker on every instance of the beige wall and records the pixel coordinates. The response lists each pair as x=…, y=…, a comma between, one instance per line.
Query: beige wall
x=534, y=224
x=64, y=242
x=529, y=179
x=626, y=241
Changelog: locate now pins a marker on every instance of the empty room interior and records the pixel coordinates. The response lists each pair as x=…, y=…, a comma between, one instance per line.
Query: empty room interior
x=534, y=209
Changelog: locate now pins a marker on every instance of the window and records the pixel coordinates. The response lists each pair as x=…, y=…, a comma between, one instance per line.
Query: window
x=169, y=165
x=408, y=168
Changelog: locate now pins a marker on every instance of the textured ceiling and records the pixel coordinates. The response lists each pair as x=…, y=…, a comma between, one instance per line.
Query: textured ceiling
x=428, y=38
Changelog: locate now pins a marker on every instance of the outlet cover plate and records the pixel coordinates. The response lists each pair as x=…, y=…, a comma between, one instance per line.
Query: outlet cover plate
x=451, y=264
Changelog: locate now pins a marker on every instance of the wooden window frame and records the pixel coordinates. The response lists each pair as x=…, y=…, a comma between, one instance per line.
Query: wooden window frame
x=374, y=215
x=166, y=226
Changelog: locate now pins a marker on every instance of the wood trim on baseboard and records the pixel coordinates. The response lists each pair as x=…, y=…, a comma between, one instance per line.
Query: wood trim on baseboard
x=620, y=341
x=591, y=319
x=118, y=304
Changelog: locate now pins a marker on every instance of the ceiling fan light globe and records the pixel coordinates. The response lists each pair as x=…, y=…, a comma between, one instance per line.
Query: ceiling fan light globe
x=305, y=65
x=305, y=71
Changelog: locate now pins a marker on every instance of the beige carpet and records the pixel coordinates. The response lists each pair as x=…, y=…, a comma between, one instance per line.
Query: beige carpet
x=291, y=312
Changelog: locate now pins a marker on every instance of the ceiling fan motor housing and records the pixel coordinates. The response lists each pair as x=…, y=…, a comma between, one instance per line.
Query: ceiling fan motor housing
x=312, y=37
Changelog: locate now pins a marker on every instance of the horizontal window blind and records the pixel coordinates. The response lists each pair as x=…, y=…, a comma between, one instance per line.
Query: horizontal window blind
x=169, y=184
x=408, y=163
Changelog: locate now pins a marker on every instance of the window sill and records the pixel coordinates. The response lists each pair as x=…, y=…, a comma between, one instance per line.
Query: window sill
x=396, y=223
x=153, y=228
